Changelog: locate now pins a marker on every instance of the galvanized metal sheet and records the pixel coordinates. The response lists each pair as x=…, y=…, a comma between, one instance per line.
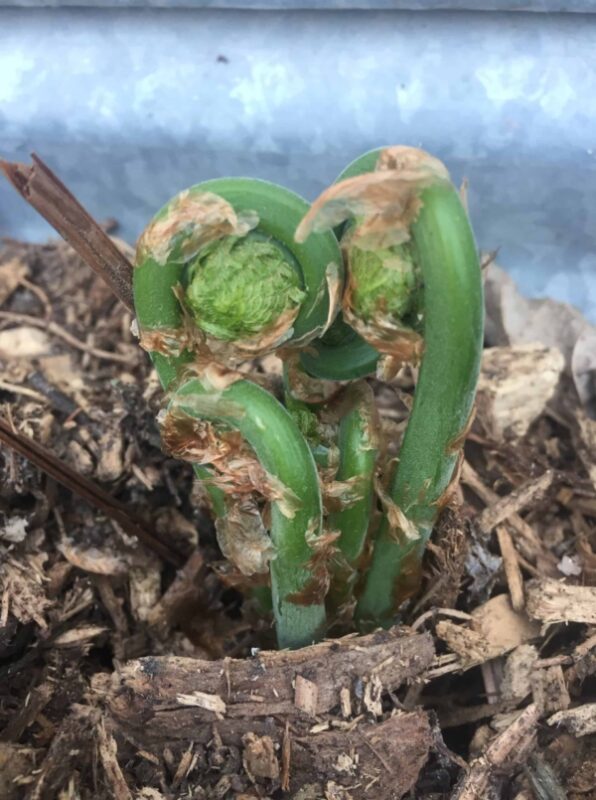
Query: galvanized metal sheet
x=131, y=106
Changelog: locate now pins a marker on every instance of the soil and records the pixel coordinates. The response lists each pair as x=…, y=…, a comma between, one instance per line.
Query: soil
x=130, y=667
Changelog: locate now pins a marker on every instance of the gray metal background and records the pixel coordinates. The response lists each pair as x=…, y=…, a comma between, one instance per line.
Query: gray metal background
x=129, y=105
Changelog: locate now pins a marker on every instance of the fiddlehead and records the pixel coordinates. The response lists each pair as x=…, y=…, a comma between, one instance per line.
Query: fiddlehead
x=219, y=278
x=243, y=286
x=408, y=199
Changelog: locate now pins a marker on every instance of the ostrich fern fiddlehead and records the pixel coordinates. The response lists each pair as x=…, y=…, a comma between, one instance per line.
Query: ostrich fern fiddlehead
x=403, y=203
x=219, y=278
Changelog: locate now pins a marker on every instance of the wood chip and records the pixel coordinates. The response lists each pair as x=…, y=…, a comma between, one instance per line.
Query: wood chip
x=210, y=702
x=526, y=539
x=517, y=674
x=21, y=585
x=551, y=601
x=145, y=589
x=71, y=748
x=24, y=342
x=259, y=757
x=580, y=721
x=25, y=716
x=471, y=647
x=550, y=690
x=306, y=695
x=184, y=766
x=108, y=755
x=515, y=386
x=501, y=625
x=345, y=702
x=494, y=630
x=78, y=636
x=508, y=750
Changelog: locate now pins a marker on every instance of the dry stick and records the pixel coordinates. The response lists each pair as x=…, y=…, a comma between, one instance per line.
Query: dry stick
x=506, y=751
x=528, y=540
x=62, y=333
x=514, y=502
x=513, y=572
x=86, y=489
x=38, y=185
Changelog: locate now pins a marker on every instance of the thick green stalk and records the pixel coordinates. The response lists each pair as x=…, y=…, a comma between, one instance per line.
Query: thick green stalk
x=234, y=238
x=340, y=355
x=453, y=333
x=358, y=451
x=405, y=211
x=298, y=605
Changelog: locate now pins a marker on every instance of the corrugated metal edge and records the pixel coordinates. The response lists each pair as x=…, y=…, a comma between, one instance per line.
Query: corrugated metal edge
x=537, y=6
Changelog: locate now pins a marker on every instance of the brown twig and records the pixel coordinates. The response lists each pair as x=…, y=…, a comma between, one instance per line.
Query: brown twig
x=38, y=185
x=86, y=489
x=513, y=573
x=527, y=539
x=62, y=333
x=514, y=502
x=507, y=750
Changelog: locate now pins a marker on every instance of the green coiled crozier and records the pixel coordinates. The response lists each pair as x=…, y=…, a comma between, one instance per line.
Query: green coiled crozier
x=445, y=249
x=219, y=279
x=405, y=196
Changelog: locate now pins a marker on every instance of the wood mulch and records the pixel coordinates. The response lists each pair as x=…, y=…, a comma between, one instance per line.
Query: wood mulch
x=130, y=668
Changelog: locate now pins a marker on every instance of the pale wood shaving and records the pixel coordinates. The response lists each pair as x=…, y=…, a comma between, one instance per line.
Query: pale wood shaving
x=78, y=636
x=210, y=702
x=515, y=385
x=551, y=602
x=306, y=695
x=580, y=721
